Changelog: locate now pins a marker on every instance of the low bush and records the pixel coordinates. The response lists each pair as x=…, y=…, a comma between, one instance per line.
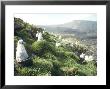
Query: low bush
x=56, y=71
x=29, y=71
x=48, y=37
x=88, y=69
x=43, y=64
x=42, y=47
x=49, y=56
x=69, y=71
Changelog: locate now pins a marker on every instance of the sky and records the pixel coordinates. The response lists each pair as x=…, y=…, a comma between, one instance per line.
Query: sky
x=54, y=19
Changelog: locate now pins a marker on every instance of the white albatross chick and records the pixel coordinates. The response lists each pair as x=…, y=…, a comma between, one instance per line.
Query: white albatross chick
x=60, y=37
x=58, y=44
x=40, y=36
x=21, y=54
x=37, y=34
x=88, y=58
x=82, y=55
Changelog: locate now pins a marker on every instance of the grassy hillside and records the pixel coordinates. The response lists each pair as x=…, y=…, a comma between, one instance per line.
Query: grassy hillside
x=45, y=58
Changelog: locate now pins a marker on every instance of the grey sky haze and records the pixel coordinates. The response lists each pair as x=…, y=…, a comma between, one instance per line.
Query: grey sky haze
x=54, y=19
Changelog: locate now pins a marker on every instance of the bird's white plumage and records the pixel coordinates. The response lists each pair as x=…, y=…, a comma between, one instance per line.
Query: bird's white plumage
x=86, y=57
x=58, y=44
x=89, y=58
x=59, y=37
x=82, y=55
x=39, y=35
x=21, y=54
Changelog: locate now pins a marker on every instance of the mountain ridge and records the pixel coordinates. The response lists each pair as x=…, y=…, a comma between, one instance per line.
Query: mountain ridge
x=81, y=25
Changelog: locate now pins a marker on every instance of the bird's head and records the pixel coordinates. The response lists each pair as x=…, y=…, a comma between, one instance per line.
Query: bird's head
x=21, y=41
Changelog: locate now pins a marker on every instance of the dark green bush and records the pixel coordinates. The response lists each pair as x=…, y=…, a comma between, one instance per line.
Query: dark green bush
x=27, y=71
x=43, y=64
x=56, y=71
x=42, y=47
x=49, y=55
x=48, y=37
x=88, y=69
x=24, y=34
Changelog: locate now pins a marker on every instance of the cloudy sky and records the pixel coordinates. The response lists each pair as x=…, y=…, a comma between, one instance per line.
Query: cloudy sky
x=54, y=19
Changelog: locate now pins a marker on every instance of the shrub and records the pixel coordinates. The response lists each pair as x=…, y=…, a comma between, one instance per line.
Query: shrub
x=61, y=55
x=30, y=71
x=49, y=56
x=42, y=47
x=27, y=71
x=24, y=34
x=80, y=48
x=61, y=48
x=69, y=71
x=18, y=24
x=88, y=69
x=56, y=71
x=39, y=67
x=48, y=37
x=38, y=47
x=29, y=41
x=71, y=55
x=43, y=64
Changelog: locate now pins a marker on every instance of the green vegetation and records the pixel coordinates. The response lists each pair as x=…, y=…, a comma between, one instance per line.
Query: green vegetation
x=45, y=58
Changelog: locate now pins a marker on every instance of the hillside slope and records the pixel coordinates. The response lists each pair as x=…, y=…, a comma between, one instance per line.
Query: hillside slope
x=46, y=59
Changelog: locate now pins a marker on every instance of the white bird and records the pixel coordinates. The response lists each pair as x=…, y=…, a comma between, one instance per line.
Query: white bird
x=37, y=34
x=71, y=44
x=59, y=37
x=82, y=55
x=40, y=36
x=58, y=44
x=43, y=32
x=76, y=43
x=88, y=58
x=21, y=54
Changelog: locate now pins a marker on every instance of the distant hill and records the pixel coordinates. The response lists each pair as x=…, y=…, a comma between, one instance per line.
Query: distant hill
x=81, y=25
x=81, y=28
